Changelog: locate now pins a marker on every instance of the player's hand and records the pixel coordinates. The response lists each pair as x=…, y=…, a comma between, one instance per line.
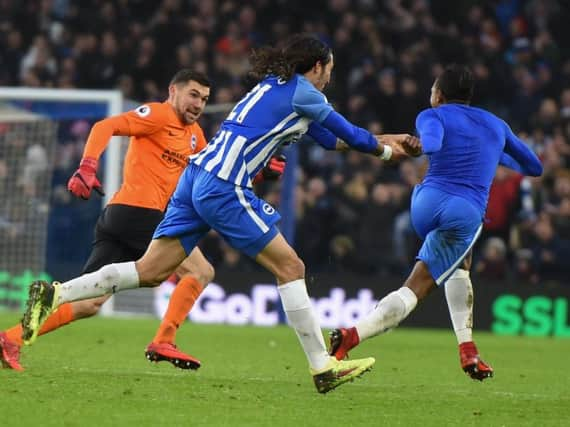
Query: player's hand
x=413, y=146
x=402, y=146
x=392, y=148
x=85, y=179
x=272, y=170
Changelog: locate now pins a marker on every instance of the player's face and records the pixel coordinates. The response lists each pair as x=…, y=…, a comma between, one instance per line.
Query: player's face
x=323, y=74
x=189, y=100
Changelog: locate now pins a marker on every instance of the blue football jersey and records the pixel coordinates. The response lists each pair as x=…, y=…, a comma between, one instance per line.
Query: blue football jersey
x=465, y=144
x=274, y=112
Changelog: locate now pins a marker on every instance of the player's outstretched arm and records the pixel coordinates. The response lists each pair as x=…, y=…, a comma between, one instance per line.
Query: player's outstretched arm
x=144, y=120
x=309, y=102
x=356, y=137
x=508, y=162
x=326, y=139
x=101, y=133
x=518, y=156
x=84, y=180
x=395, y=151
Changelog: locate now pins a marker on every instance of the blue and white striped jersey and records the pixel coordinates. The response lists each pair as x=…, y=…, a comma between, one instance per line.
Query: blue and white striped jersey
x=272, y=113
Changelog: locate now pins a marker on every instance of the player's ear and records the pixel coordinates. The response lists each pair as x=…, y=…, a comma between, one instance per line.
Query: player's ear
x=438, y=96
x=171, y=91
x=317, y=68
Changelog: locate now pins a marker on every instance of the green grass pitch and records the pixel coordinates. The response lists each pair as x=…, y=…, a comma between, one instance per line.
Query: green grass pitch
x=94, y=373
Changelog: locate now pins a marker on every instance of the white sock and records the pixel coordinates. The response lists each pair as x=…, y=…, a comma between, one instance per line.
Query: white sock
x=388, y=313
x=302, y=318
x=107, y=280
x=459, y=295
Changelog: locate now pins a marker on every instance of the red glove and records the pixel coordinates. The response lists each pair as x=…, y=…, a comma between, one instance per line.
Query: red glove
x=272, y=171
x=84, y=179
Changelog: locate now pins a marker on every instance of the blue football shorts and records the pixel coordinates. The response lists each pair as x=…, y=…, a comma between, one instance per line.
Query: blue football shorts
x=448, y=224
x=202, y=201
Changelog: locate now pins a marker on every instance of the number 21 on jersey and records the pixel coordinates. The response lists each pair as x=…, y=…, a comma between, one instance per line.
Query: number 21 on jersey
x=246, y=104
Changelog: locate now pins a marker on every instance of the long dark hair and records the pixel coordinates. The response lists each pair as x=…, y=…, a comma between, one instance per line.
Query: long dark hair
x=298, y=55
x=456, y=83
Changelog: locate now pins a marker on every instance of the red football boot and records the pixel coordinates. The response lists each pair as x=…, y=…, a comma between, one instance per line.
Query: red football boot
x=342, y=340
x=472, y=364
x=9, y=353
x=157, y=352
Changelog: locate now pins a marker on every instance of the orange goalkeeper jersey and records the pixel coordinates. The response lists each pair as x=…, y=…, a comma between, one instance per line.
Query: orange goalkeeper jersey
x=158, y=152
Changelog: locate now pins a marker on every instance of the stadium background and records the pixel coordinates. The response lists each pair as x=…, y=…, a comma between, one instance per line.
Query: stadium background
x=348, y=217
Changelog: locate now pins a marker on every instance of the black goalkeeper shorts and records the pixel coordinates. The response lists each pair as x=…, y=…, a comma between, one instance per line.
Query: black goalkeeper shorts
x=122, y=234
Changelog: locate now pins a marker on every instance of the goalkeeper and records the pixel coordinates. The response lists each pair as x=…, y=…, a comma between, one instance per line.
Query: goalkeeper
x=163, y=135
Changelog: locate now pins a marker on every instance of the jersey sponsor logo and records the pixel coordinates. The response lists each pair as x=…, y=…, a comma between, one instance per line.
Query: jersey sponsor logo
x=268, y=209
x=143, y=110
x=175, y=158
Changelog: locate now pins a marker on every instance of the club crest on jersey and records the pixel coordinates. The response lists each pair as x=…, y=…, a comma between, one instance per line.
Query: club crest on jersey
x=268, y=209
x=193, y=142
x=143, y=110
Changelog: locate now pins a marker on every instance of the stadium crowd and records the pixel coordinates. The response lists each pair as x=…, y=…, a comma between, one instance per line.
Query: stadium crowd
x=353, y=207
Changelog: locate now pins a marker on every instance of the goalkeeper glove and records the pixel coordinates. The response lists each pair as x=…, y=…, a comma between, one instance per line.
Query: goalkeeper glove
x=85, y=179
x=272, y=171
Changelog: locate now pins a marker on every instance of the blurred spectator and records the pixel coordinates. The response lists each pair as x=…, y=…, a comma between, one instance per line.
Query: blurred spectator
x=315, y=218
x=376, y=248
x=503, y=199
x=550, y=252
x=36, y=165
x=493, y=263
x=524, y=267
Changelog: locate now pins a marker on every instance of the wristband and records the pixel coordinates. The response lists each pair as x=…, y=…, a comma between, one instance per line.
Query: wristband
x=387, y=153
x=89, y=162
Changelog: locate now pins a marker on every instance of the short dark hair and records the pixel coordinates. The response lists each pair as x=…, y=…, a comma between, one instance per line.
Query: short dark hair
x=186, y=75
x=456, y=83
x=299, y=54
